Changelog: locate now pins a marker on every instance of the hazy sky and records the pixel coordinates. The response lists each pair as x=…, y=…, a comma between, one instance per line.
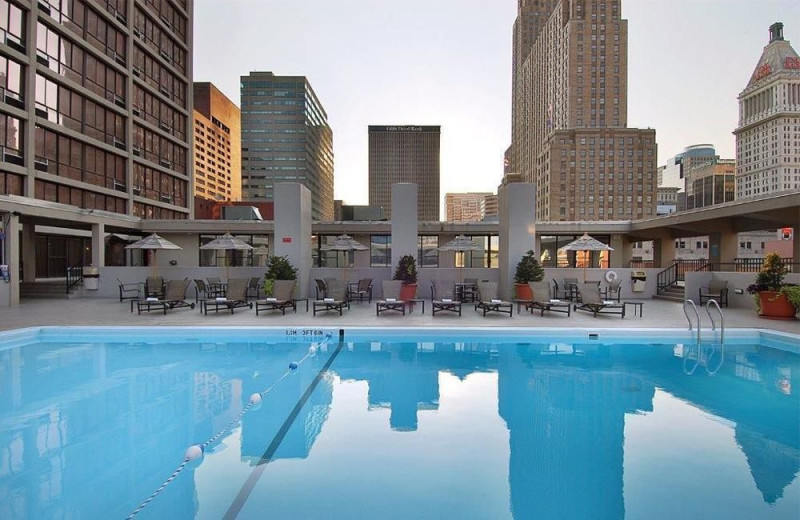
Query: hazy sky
x=448, y=63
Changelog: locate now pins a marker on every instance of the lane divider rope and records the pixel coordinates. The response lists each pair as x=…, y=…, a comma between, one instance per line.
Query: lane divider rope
x=196, y=451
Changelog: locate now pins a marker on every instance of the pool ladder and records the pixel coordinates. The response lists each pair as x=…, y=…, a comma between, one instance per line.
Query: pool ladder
x=713, y=346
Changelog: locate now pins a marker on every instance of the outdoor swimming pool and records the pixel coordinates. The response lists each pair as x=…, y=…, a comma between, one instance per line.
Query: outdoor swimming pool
x=398, y=424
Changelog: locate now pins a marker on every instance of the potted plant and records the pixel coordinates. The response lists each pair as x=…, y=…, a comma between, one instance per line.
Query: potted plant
x=772, y=297
x=278, y=268
x=407, y=272
x=528, y=270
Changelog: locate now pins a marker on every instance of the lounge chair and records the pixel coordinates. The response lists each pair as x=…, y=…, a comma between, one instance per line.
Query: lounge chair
x=202, y=291
x=391, y=298
x=281, y=298
x=560, y=289
x=361, y=289
x=571, y=288
x=320, y=287
x=335, y=298
x=154, y=287
x=543, y=302
x=128, y=291
x=253, y=287
x=174, y=297
x=235, y=296
x=490, y=302
x=443, y=297
x=591, y=301
x=716, y=290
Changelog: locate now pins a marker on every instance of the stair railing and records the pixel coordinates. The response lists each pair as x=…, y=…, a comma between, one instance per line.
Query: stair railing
x=74, y=277
x=667, y=278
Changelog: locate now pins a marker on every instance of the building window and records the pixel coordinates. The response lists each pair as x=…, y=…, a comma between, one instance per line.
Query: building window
x=380, y=251
x=256, y=257
x=428, y=251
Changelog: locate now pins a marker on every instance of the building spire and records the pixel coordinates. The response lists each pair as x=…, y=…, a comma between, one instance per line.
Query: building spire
x=775, y=32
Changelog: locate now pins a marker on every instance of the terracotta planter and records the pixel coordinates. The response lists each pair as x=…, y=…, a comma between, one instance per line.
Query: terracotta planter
x=776, y=306
x=408, y=291
x=524, y=291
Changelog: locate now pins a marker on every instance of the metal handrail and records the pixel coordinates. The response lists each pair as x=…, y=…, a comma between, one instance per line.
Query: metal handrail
x=721, y=319
x=74, y=277
x=667, y=277
x=697, y=314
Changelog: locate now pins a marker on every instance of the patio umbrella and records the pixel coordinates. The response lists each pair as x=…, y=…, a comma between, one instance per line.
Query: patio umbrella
x=227, y=242
x=153, y=242
x=344, y=243
x=586, y=243
x=461, y=244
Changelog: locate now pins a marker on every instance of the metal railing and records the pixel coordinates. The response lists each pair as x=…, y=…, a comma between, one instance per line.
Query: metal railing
x=721, y=318
x=697, y=315
x=667, y=278
x=74, y=277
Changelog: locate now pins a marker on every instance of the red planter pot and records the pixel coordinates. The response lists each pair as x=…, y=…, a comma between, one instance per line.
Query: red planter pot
x=408, y=291
x=524, y=291
x=776, y=306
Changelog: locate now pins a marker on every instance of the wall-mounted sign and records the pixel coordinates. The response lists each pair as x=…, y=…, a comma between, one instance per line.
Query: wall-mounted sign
x=764, y=70
x=791, y=62
x=286, y=240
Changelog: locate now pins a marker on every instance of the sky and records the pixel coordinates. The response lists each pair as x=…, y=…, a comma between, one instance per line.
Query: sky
x=448, y=63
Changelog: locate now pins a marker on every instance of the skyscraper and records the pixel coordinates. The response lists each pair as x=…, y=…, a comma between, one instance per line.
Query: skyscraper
x=569, y=113
x=405, y=154
x=217, y=145
x=285, y=138
x=768, y=136
x=468, y=207
x=97, y=104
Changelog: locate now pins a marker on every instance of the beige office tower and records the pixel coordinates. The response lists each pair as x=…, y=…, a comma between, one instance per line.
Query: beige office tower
x=405, y=154
x=96, y=105
x=569, y=114
x=465, y=207
x=217, y=145
x=768, y=136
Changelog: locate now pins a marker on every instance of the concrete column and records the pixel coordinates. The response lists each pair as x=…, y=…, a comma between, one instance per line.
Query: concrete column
x=98, y=245
x=517, y=212
x=293, y=230
x=723, y=248
x=664, y=252
x=404, y=221
x=28, y=252
x=9, y=292
x=623, y=251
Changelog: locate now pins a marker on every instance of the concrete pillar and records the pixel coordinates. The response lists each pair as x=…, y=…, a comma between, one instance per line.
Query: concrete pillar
x=9, y=292
x=293, y=230
x=723, y=248
x=623, y=251
x=517, y=212
x=664, y=252
x=28, y=252
x=404, y=221
x=98, y=245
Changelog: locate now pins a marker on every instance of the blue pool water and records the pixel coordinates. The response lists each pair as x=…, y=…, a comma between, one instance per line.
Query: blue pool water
x=398, y=424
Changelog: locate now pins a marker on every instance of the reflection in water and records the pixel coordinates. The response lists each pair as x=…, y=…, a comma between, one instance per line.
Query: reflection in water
x=90, y=430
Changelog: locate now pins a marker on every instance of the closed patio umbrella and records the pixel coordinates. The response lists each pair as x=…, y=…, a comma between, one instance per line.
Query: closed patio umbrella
x=461, y=244
x=227, y=242
x=344, y=243
x=586, y=243
x=153, y=242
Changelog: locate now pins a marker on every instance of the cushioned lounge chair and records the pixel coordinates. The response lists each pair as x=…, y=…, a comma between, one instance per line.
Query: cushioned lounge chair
x=716, y=290
x=253, y=287
x=154, y=287
x=443, y=297
x=335, y=298
x=281, y=298
x=174, y=297
x=128, y=291
x=490, y=302
x=612, y=290
x=391, y=298
x=543, y=302
x=591, y=301
x=235, y=296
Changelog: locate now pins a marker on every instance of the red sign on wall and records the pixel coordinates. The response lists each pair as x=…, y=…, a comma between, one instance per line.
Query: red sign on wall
x=764, y=70
x=286, y=240
x=790, y=62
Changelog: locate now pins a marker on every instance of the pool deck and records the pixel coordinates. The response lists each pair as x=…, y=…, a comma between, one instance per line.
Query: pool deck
x=98, y=312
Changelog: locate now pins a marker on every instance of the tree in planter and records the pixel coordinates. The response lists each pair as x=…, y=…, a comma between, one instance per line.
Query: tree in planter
x=406, y=271
x=528, y=270
x=278, y=268
x=772, y=297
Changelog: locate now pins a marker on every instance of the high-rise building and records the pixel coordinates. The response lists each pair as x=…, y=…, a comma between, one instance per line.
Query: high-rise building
x=465, y=207
x=285, y=138
x=217, y=145
x=569, y=113
x=96, y=107
x=711, y=183
x=405, y=154
x=768, y=135
x=677, y=171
